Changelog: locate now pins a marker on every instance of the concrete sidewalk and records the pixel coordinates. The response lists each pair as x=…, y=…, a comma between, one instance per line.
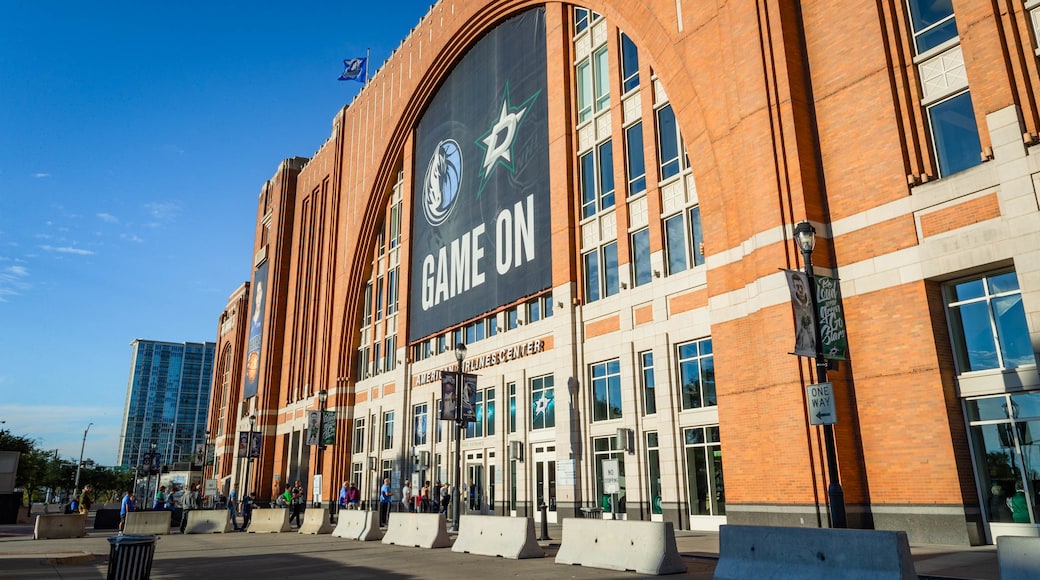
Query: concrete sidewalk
x=292, y=555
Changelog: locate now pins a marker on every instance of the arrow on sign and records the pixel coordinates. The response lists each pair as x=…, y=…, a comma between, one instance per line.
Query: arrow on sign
x=821, y=415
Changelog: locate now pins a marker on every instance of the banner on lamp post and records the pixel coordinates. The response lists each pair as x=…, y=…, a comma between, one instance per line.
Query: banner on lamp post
x=834, y=340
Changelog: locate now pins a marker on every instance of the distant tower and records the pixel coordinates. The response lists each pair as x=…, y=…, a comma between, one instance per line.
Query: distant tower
x=167, y=400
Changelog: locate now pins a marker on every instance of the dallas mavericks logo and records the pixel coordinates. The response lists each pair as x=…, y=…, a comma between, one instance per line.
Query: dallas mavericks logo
x=443, y=179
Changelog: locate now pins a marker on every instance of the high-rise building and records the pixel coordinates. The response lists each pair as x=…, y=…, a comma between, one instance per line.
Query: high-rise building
x=605, y=203
x=167, y=401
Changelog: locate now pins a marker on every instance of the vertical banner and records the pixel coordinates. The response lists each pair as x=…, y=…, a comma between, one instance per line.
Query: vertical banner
x=804, y=321
x=328, y=428
x=256, y=331
x=312, y=427
x=243, y=444
x=834, y=341
x=449, y=401
x=469, y=398
x=256, y=438
x=200, y=454
x=481, y=217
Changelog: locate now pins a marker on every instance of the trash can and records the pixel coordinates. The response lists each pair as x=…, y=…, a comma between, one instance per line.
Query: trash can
x=592, y=513
x=130, y=557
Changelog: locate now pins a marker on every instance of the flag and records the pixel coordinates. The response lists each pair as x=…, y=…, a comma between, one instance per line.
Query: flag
x=355, y=69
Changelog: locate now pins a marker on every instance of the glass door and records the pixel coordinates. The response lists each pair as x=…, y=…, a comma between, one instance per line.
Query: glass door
x=545, y=484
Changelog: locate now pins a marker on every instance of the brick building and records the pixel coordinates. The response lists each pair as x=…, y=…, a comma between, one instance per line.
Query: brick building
x=599, y=201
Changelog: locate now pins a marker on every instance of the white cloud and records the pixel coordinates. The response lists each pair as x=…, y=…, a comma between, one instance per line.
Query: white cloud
x=107, y=217
x=41, y=175
x=163, y=211
x=131, y=238
x=17, y=270
x=67, y=250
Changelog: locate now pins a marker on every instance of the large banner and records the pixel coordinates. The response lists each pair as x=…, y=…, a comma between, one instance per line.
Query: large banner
x=828, y=315
x=326, y=426
x=256, y=331
x=452, y=395
x=481, y=231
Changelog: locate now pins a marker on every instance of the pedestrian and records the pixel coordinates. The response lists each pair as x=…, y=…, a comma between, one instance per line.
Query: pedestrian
x=298, y=497
x=86, y=499
x=408, y=497
x=353, y=497
x=232, y=507
x=160, y=499
x=435, y=498
x=445, y=497
x=386, y=498
x=247, y=509
x=343, y=496
x=424, y=498
x=126, y=506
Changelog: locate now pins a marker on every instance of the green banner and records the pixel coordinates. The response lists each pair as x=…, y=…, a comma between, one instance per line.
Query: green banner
x=328, y=435
x=834, y=340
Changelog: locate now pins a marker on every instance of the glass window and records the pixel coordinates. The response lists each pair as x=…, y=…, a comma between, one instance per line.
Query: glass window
x=419, y=425
x=358, y=445
x=675, y=243
x=395, y=225
x=476, y=428
x=641, y=273
x=606, y=390
x=696, y=236
x=368, y=305
x=606, y=175
x=601, y=67
x=512, y=318
x=591, y=261
x=697, y=374
x=955, y=134
x=653, y=470
x=608, y=448
x=635, y=164
x=629, y=64
x=988, y=323
x=1002, y=429
x=489, y=412
x=611, y=282
x=668, y=140
x=543, y=409
x=389, y=351
x=587, y=166
x=581, y=19
x=391, y=291
x=933, y=22
x=379, y=298
x=646, y=364
x=534, y=310
x=584, y=78
x=547, y=306
x=388, y=430
x=512, y=407
x=707, y=495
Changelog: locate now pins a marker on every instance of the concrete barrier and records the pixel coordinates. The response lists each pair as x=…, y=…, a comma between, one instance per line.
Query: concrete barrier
x=505, y=537
x=645, y=547
x=56, y=526
x=416, y=529
x=270, y=520
x=208, y=522
x=812, y=553
x=358, y=525
x=1018, y=557
x=316, y=521
x=147, y=522
x=106, y=519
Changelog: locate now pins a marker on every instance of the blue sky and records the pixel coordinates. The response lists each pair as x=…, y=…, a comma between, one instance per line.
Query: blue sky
x=134, y=140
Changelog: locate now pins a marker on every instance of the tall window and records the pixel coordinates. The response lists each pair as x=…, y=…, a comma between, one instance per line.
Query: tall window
x=635, y=164
x=646, y=373
x=640, y=246
x=367, y=317
x=597, y=179
x=583, y=17
x=1002, y=431
x=601, y=272
x=419, y=422
x=379, y=298
x=955, y=134
x=629, y=64
x=391, y=291
x=670, y=149
x=358, y=445
x=476, y=428
x=608, y=448
x=684, y=240
x=707, y=496
x=988, y=323
x=388, y=430
x=512, y=407
x=395, y=224
x=356, y=470
x=543, y=408
x=390, y=353
x=653, y=471
x=606, y=390
x=489, y=412
x=697, y=374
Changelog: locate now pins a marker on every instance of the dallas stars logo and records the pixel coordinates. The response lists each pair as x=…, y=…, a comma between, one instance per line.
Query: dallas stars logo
x=497, y=142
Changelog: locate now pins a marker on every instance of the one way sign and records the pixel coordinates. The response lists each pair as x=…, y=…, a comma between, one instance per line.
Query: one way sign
x=821, y=404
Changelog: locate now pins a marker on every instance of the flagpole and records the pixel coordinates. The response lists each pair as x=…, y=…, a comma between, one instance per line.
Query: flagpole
x=368, y=63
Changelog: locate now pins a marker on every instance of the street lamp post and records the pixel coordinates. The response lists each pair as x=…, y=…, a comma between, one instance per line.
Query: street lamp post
x=323, y=396
x=460, y=354
x=805, y=235
x=249, y=453
x=151, y=468
x=81, y=448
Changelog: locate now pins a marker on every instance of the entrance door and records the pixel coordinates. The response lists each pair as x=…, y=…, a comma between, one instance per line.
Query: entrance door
x=545, y=482
x=474, y=502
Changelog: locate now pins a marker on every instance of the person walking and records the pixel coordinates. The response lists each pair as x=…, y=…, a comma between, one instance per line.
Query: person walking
x=386, y=498
x=247, y=510
x=232, y=507
x=298, y=497
x=424, y=498
x=126, y=506
x=86, y=499
x=353, y=497
x=160, y=499
x=408, y=497
x=445, y=498
x=343, y=496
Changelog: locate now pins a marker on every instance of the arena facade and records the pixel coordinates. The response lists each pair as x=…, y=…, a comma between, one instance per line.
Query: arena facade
x=599, y=201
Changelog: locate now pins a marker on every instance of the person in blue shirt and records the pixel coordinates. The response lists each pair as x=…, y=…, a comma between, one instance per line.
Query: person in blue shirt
x=232, y=507
x=126, y=506
x=386, y=498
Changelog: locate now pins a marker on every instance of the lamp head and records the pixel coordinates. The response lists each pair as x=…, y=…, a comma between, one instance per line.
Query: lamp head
x=252, y=421
x=805, y=235
x=460, y=352
x=323, y=396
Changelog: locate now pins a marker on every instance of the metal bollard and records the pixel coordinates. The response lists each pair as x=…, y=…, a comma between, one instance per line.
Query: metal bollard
x=545, y=522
